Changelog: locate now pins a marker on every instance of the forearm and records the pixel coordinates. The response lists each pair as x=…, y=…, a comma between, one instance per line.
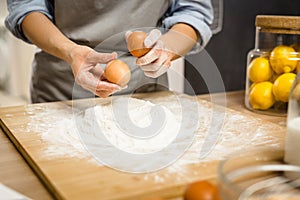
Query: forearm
x=44, y=34
x=196, y=13
x=180, y=39
x=186, y=30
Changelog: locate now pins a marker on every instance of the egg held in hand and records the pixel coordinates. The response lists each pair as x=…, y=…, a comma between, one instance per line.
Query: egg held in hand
x=135, y=44
x=118, y=72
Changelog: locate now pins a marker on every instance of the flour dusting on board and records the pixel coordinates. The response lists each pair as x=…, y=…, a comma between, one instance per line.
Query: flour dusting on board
x=57, y=128
x=239, y=133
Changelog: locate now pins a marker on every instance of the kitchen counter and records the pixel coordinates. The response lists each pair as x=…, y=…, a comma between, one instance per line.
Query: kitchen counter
x=16, y=173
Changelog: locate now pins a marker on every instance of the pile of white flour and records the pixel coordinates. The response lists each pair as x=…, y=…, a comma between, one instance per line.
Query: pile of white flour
x=125, y=127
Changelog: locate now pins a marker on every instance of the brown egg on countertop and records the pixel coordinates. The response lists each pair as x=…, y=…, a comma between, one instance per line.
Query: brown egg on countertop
x=118, y=72
x=135, y=44
x=201, y=190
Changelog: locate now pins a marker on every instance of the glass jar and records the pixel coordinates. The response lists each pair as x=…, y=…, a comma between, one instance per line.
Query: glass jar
x=292, y=145
x=273, y=64
x=258, y=175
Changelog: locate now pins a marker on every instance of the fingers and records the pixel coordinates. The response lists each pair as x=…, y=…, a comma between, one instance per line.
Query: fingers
x=92, y=83
x=158, y=73
x=157, y=64
x=152, y=55
x=95, y=57
x=163, y=69
x=106, y=86
x=106, y=57
x=105, y=89
x=157, y=61
x=152, y=38
x=103, y=94
x=89, y=73
x=97, y=71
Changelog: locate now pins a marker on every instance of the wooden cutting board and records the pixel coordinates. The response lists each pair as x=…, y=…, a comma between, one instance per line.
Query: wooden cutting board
x=70, y=172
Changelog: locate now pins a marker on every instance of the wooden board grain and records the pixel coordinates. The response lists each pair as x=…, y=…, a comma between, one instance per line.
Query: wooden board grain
x=71, y=177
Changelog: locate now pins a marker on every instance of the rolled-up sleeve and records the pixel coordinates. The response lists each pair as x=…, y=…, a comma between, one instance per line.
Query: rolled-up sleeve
x=197, y=13
x=18, y=9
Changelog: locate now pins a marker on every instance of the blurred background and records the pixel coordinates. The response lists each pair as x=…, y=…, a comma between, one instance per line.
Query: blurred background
x=228, y=49
x=15, y=65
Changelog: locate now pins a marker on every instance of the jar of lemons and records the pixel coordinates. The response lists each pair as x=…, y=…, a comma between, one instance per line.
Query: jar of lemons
x=273, y=64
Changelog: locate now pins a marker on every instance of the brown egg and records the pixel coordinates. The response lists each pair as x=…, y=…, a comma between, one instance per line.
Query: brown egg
x=118, y=72
x=135, y=44
x=201, y=190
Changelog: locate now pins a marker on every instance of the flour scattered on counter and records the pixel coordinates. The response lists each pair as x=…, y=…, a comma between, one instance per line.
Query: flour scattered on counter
x=65, y=138
x=238, y=134
x=59, y=130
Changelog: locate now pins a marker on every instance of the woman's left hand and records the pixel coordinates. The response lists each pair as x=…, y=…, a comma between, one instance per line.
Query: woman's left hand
x=164, y=48
x=158, y=60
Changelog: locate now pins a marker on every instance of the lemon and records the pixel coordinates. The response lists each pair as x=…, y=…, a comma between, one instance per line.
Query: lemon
x=283, y=59
x=282, y=86
x=261, y=96
x=260, y=70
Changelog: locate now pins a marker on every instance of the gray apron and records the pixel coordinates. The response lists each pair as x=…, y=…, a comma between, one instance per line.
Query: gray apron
x=100, y=24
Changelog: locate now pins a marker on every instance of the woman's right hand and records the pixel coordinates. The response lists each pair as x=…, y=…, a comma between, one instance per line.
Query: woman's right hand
x=84, y=62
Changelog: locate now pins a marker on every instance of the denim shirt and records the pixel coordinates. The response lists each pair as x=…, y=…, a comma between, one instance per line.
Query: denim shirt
x=197, y=13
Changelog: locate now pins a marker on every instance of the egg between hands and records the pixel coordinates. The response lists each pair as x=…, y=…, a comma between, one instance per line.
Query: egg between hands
x=118, y=72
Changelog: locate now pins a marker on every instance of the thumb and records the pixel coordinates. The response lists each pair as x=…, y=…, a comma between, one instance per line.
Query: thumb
x=106, y=57
x=152, y=38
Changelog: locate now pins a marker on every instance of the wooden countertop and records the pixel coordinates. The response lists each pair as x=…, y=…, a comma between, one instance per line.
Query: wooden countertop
x=15, y=173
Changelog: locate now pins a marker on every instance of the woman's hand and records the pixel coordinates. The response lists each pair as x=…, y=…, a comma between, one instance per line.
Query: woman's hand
x=87, y=71
x=157, y=61
x=178, y=41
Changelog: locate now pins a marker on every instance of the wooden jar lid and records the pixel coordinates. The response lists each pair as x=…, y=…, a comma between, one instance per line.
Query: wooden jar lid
x=278, y=24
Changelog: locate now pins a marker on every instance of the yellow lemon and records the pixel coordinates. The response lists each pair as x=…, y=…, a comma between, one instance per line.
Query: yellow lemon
x=260, y=70
x=282, y=86
x=261, y=96
x=283, y=59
